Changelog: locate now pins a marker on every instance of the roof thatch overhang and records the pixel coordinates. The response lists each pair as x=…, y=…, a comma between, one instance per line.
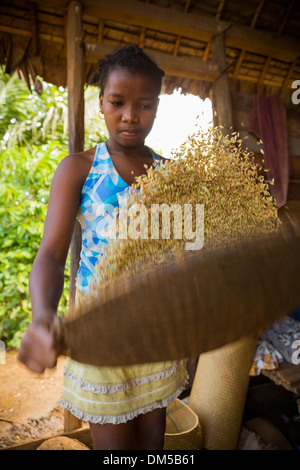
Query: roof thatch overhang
x=262, y=40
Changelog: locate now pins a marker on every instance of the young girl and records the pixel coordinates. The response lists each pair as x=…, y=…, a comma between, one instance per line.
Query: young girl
x=125, y=406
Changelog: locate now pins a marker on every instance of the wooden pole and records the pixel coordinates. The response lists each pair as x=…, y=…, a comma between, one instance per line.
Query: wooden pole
x=221, y=87
x=75, y=84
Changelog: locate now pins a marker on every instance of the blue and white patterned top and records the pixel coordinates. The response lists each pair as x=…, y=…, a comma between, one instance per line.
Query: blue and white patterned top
x=99, y=198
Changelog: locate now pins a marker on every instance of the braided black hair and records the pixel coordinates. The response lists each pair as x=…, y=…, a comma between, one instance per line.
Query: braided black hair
x=134, y=59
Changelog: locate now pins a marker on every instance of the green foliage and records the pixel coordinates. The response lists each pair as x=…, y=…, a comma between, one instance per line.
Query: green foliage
x=34, y=139
x=24, y=190
x=29, y=119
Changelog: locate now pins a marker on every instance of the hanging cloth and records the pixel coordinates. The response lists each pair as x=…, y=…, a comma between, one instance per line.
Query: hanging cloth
x=268, y=122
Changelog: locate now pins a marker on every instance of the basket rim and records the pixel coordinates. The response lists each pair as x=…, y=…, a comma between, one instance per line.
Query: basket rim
x=191, y=429
x=195, y=428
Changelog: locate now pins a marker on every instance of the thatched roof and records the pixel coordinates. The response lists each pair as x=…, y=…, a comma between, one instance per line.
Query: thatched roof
x=262, y=39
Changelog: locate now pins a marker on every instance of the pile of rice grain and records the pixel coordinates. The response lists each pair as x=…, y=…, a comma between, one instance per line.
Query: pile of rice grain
x=208, y=169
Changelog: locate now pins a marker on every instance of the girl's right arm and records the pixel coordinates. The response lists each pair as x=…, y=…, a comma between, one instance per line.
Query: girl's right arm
x=46, y=281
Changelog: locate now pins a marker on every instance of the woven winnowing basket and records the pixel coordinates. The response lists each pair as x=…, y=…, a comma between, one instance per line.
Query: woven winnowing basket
x=183, y=430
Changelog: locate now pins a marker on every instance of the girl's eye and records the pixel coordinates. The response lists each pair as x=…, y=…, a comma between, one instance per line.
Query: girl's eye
x=145, y=106
x=120, y=103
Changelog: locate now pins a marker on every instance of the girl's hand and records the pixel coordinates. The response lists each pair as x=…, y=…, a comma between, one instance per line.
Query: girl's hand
x=38, y=349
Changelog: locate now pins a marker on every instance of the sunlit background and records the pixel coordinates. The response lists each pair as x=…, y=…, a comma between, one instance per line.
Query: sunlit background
x=176, y=119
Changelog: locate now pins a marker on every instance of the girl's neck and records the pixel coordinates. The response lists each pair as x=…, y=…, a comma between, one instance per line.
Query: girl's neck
x=133, y=152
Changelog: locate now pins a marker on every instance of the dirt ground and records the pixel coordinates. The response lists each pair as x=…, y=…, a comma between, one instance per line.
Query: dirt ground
x=29, y=405
x=29, y=402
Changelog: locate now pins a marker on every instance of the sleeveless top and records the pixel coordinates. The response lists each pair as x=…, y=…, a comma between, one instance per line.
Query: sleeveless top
x=100, y=196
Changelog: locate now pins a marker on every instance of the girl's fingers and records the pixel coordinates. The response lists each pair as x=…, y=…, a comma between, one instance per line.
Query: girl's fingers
x=37, y=349
x=34, y=366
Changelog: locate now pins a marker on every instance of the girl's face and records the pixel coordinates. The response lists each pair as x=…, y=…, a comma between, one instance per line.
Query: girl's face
x=129, y=104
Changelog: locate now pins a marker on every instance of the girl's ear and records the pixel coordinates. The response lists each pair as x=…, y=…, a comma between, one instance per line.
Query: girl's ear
x=101, y=101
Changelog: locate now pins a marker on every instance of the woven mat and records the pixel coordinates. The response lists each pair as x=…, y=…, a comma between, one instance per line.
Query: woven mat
x=185, y=309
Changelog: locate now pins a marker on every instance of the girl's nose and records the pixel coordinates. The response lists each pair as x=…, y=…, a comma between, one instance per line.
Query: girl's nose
x=129, y=114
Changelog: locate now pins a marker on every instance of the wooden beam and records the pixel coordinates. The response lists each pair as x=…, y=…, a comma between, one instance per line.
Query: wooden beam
x=172, y=65
x=248, y=78
x=206, y=52
x=264, y=70
x=280, y=30
x=220, y=9
x=195, y=27
x=75, y=79
x=256, y=14
x=189, y=25
x=28, y=33
x=239, y=63
x=142, y=37
x=186, y=6
x=288, y=76
x=286, y=17
x=75, y=85
x=180, y=72
x=260, y=82
x=177, y=44
x=100, y=30
x=195, y=71
x=65, y=19
x=243, y=51
x=267, y=63
x=221, y=87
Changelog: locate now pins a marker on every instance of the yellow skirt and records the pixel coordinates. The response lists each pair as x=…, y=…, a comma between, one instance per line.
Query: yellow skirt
x=118, y=394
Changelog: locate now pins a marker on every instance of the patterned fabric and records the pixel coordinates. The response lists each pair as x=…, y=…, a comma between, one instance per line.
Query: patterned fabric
x=275, y=344
x=111, y=394
x=266, y=357
x=283, y=335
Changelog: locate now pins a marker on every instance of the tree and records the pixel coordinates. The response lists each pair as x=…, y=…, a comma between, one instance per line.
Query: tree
x=34, y=139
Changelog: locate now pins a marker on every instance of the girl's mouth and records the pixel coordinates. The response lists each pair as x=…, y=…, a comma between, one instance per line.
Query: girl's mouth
x=129, y=132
